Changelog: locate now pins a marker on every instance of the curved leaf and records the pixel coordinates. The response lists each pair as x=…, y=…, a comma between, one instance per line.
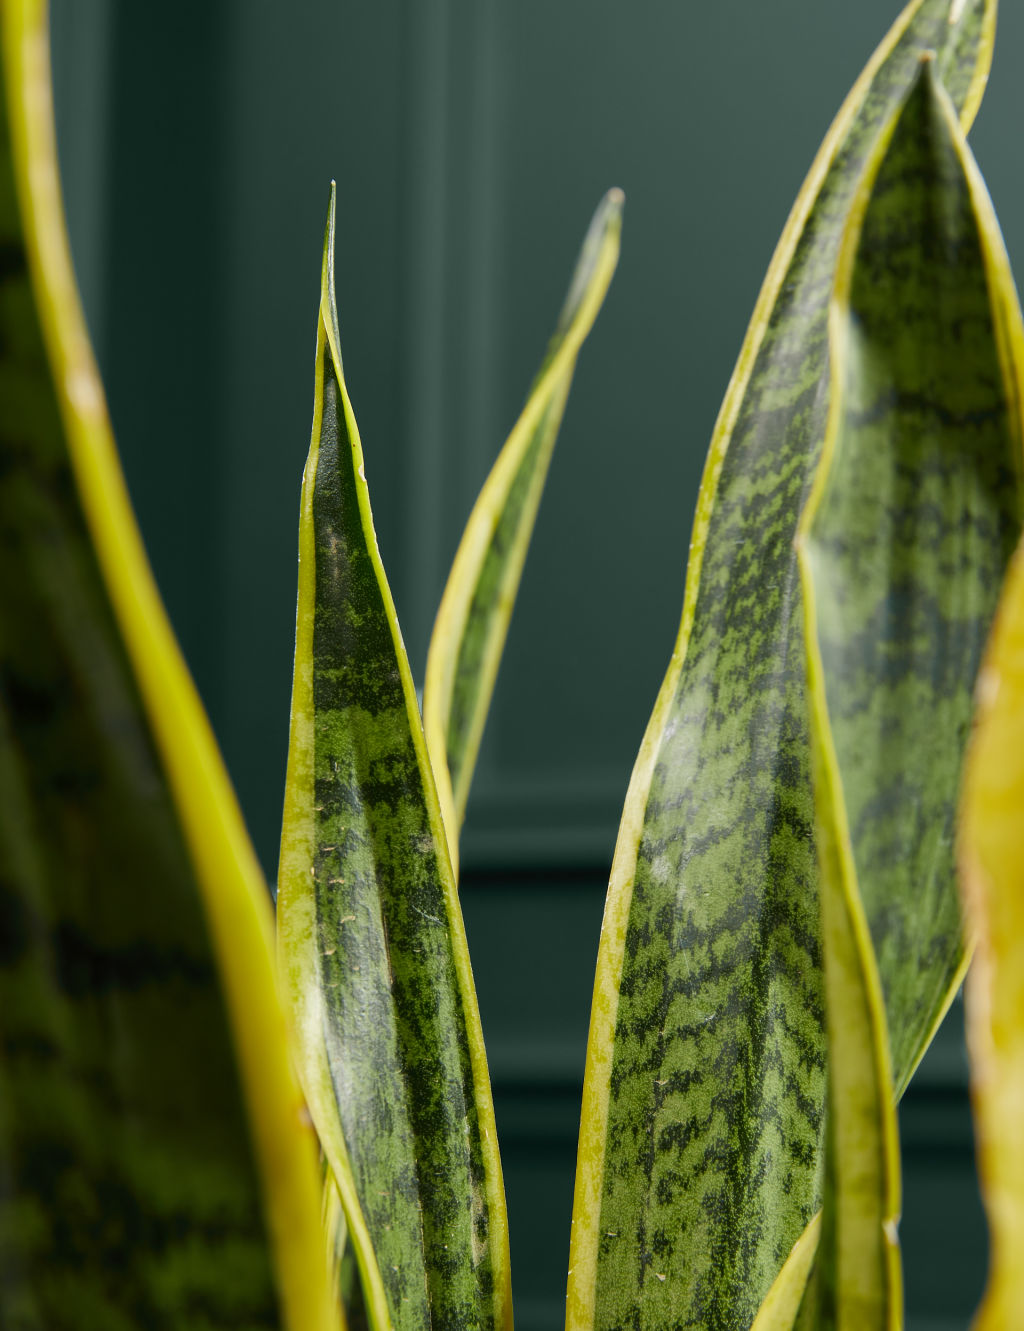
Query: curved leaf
x=700, y=1145
x=992, y=877
x=857, y=1280
x=903, y=545
x=782, y=1303
x=472, y=622
x=155, y=1166
x=371, y=941
x=908, y=534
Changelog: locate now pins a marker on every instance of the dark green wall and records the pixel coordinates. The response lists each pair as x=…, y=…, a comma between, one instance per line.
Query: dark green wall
x=471, y=139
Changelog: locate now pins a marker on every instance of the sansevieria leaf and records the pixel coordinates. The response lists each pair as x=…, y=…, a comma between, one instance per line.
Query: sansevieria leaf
x=903, y=545
x=156, y=1169
x=909, y=531
x=341, y=1259
x=992, y=875
x=857, y=1280
x=472, y=622
x=371, y=941
x=701, y=1138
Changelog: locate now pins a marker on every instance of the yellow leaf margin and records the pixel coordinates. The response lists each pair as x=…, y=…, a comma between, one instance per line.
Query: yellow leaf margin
x=233, y=893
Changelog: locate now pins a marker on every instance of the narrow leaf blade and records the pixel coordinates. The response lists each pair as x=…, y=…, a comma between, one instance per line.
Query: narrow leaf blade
x=782, y=1303
x=472, y=622
x=858, y=1280
x=371, y=939
x=992, y=878
x=906, y=534
x=909, y=534
x=154, y=1165
x=701, y=1140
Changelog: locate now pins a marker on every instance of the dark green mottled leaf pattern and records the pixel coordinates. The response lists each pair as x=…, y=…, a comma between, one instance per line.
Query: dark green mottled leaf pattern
x=399, y=1016
x=713, y=1150
x=908, y=547
x=903, y=546
x=397, y=1032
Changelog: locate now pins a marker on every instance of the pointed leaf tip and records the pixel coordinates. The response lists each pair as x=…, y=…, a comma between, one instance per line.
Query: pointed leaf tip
x=369, y=921
x=473, y=619
x=605, y=228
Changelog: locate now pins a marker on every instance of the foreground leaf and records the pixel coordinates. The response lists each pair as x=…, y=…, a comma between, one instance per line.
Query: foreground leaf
x=903, y=545
x=371, y=941
x=992, y=874
x=701, y=1139
x=154, y=1167
x=472, y=622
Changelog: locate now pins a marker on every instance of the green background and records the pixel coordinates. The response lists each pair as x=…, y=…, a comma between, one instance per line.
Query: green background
x=471, y=140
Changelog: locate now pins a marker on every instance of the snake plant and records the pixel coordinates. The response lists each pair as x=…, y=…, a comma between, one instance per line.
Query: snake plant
x=194, y=1133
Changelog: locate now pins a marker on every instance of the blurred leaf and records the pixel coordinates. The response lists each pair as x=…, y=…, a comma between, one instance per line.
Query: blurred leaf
x=371, y=940
x=155, y=1170
x=472, y=622
x=992, y=875
x=701, y=1141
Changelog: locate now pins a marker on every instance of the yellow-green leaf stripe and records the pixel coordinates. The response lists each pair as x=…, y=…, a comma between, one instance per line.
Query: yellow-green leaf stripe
x=152, y=1136
x=992, y=875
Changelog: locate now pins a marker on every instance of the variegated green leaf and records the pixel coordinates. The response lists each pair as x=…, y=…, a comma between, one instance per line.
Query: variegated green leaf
x=907, y=541
x=371, y=941
x=155, y=1168
x=701, y=1140
x=992, y=874
x=903, y=545
x=472, y=623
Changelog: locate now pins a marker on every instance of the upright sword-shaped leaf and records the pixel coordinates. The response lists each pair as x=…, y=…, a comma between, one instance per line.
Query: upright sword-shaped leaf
x=903, y=545
x=472, y=622
x=155, y=1166
x=700, y=1142
x=371, y=942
